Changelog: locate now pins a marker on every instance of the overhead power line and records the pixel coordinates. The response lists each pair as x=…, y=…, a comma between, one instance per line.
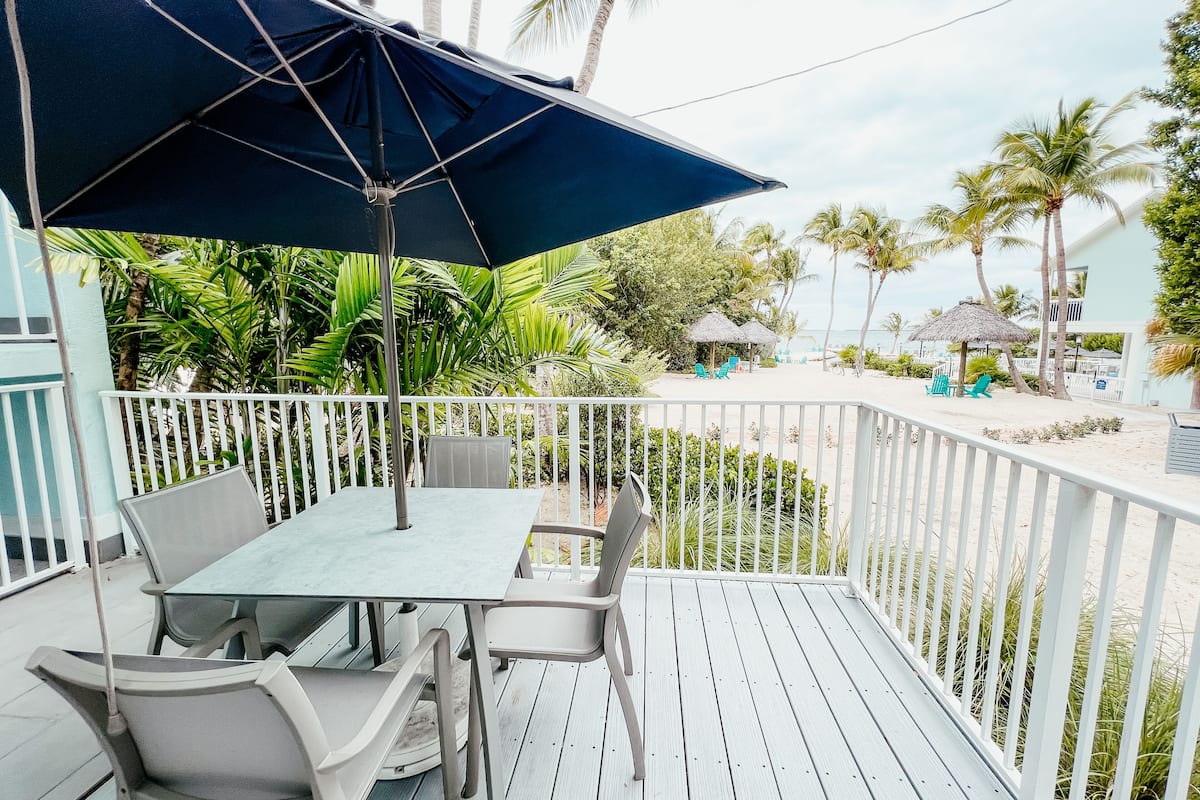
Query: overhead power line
x=823, y=64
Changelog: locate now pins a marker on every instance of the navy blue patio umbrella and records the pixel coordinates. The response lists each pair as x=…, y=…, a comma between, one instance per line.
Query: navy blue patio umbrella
x=321, y=124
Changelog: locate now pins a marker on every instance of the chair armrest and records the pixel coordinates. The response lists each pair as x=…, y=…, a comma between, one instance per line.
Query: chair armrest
x=238, y=626
x=155, y=589
x=583, y=603
x=437, y=640
x=570, y=530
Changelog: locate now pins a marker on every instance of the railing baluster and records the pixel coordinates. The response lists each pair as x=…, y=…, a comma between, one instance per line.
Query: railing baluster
x=835, y=519
x=899, y=444
x=864, y=451
x=178, y=439
x=985, y=523
x=149, y=441
x=877, y=511
x=135, y=451
x=18, y=484
x=163, y=448
x=208, y=439
x=762, y=437
x=1183, y=753
x=780, y=439
x=1098, y=655
x=191, y=432
x=799, y=496
x=721, y=492
x=1143, y=659
x=741, y=495
x=895, y=551
x=257, y=451
x=302, y=446
x=683, y=487
x=816, y=526
x=39, y=470
x=918, y=601
x=662, y=498
x=646, y=479
x=385, y=455
x=910, y=549
x=1033, y=550
x=364, y=413
x=960, y=563
x=939, y=581
x=1000, y=600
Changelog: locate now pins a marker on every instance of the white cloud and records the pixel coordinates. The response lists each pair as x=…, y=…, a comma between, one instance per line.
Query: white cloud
x=887, y=128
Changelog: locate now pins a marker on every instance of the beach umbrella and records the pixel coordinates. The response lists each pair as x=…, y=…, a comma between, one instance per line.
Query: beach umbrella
x=754, y=333
x=713, y=327
x=317, y=123
x=1104, y=352
x=969, y=321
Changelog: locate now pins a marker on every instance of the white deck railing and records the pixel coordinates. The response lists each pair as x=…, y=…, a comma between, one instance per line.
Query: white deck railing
x=39, y=513
x=921, y=521
x=18, y=322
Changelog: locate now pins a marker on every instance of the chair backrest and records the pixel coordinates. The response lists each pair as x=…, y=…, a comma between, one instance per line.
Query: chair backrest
x=198, y=727
x=700, y=370
x=941, y=382
x=734, y=361
x=626, y=523
x=983, y=382
x=183, y=528
x=468, y=462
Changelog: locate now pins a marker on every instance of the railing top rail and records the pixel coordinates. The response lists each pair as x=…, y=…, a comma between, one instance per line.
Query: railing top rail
x=372, y=398
x=1155, y=501
x=9, y=388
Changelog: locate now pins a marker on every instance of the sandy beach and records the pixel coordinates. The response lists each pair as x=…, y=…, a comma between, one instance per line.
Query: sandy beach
x=1135, y=456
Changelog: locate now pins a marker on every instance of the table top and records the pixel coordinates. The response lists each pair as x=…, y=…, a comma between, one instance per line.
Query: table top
x=462, y=547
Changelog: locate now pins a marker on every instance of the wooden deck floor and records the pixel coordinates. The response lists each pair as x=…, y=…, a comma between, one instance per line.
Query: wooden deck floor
x=747, y=690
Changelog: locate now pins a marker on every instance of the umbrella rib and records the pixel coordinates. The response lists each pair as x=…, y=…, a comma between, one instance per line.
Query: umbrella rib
x=282, y=158
x=443, y=162
x=303, y=89
x=180, y=125
x=433, y=148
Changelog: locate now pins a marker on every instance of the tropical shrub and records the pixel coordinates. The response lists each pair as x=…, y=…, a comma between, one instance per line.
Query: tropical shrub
x=982, y=365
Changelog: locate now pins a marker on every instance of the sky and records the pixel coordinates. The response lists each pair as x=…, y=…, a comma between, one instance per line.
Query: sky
x=889, y=128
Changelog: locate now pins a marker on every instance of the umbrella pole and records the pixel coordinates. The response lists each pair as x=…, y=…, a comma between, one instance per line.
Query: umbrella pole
x=962, y=370
x=712, y=358
x=115, y=724
x=380, y=195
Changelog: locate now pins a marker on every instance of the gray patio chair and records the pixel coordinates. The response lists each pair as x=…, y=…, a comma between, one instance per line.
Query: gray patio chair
x=561, y=621
x=254, y=730
x=184, y=528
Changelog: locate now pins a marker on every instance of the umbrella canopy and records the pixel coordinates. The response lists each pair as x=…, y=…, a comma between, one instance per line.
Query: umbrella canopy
x=1103, y=352
x=485, y=162
x=754, y=332
x=969, y=321
x=320, y=124
x=713, y=327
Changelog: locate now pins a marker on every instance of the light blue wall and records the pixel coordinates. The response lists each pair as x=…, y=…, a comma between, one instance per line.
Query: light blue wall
x=22, y=362
x=1121, y=279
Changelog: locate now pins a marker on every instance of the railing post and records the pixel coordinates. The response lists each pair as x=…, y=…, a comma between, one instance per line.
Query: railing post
x=118, y=458
x=573, y=482
x=1065, y=577
x=864, y=440
x=64, y=475
x=320, y=447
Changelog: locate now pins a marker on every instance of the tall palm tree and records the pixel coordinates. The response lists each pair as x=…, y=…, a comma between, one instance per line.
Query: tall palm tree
x=545, y=24
x=473, y=25
x=885, y=249
x=829, y=227
x=1070, y=156
x=984, y=216
x=431, y=16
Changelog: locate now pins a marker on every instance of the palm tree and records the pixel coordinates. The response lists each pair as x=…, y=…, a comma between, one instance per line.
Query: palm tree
x=984, y=216
x=1176, y=354
x=1070, y=156
x=1013, y=303
x=829, y=227
x=894, y=324
x=544, y=24
x=885, y=249
x=473, y=25
x=431, y=16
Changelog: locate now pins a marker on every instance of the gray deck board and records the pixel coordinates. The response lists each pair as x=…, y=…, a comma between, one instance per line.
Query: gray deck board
x=744, y=690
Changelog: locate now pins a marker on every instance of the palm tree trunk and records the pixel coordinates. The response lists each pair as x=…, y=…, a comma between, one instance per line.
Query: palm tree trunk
x=860, y=356
x=1018, y=381
x=829, y=326
x=473, y=25
x=129, y=359
x=431, y=17
x=591, y=57
x=1060, y=339
x=1043, y=383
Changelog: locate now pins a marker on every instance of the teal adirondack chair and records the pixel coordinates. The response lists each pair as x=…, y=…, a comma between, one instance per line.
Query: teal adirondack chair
x=722, y=372
x=701, y=372
x=980, y=387
x=732, y=363
x=940, y=386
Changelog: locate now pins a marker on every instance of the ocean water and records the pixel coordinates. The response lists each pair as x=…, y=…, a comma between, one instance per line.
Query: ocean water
x=877, y=339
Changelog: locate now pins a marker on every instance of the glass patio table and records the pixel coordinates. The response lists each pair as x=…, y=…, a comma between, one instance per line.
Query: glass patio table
x=462, y=548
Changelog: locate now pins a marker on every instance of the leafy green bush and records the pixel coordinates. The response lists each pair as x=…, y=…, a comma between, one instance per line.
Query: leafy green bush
x=848, y=354
x=983, y=365
x=767, y=363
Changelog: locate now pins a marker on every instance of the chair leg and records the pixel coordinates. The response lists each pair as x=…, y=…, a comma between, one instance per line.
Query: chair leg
x=375, y=618
x=626, y=650
x=447, y=730
x=627, y=707
x=474, y=742
x=353, y=631
x=524, y=566
x=158, y=632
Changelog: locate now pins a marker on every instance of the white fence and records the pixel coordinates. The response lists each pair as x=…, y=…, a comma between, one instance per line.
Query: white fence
x=19, y=320
x=1039, y=602
x=39, y=511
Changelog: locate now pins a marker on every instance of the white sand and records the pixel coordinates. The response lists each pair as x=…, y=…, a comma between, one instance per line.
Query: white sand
x=1135, y=457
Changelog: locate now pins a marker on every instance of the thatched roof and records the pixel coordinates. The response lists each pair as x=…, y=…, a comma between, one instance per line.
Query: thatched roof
x=970, y=321
x=754, y=332
x=714, y=327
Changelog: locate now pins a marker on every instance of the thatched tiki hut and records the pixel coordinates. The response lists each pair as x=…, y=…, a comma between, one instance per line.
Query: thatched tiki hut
x=754, y=333
x=714, y=327
x=969, y=321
